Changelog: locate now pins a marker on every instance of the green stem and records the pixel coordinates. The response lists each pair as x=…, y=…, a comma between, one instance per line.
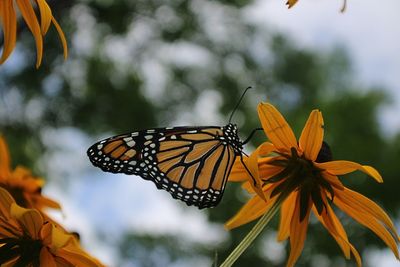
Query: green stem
x=254, y=232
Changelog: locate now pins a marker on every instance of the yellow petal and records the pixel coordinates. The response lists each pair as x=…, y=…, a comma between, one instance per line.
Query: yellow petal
x=312, y=135
x=366, y=205
x=11, y=263
x=276, y=128
x=46, y=258
x=340, y=167
x=31, y=20
x=43, y=201
x=45, y=15
x=59, y=237
x=10, y=228
x=291, y=3
x=369, y=221
x=298, y=232
x=252, y=210
x=62, y=37
x=335, y=228
x=77, y=257
x=45, y=233
x=4, y=157
x=333, y=180
x=238, y=172
x=6, y=200
x=268, y=171
x=286, y=217
x=31, y=220
x=9, y=21
x=252, y=166
x=356, y=255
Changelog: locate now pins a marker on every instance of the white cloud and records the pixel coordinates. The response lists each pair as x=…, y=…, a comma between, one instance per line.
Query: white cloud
x=368, y=30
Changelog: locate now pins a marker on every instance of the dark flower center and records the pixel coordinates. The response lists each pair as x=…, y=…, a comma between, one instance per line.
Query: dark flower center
x=25, y=249
x=325, y=153
x=300, y=174
x=18, y=195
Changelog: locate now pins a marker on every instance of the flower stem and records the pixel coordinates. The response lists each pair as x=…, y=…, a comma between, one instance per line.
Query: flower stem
x=254, y=232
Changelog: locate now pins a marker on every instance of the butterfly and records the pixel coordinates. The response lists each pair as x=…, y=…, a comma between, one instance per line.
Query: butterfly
x=191, y=163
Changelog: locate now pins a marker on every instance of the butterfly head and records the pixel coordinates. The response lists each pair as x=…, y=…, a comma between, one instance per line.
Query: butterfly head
x=231, y=134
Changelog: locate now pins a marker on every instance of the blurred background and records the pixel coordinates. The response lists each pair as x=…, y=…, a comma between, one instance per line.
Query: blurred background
x=153, y=63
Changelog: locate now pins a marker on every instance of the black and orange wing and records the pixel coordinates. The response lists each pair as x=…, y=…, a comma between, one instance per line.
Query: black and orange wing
x=191, y=163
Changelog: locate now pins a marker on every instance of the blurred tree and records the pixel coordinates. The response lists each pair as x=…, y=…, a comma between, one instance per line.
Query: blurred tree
x=140, y=64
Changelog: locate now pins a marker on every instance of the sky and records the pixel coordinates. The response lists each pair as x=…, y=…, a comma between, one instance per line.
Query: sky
x=368, y=29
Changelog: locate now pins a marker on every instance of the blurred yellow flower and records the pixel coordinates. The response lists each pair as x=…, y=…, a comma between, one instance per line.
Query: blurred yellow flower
x=8, y=18
x=26, y=239
x=21, y=184
x=291, y=3
x=303, y=178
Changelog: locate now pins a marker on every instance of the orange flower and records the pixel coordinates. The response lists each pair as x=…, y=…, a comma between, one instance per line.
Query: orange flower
x=291, y=3
x=8, y=18
x=303, y=178
x=27, y=240
x=21, y=184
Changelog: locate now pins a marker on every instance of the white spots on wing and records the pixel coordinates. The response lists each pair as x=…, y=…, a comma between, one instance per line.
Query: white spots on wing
x=131, y=143
x=173, y=137
x=127, y=139
x=151, y=131
x=133, y=162
x=152, y=145
x=99, y=146
x=192, y=131
x=134, y=134
x=148, y=137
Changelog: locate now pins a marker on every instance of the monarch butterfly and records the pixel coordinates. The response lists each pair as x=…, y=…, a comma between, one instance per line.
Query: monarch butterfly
x=191, y=163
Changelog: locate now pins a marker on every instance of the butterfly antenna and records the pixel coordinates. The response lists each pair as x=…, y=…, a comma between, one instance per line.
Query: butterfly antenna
x=238, y=103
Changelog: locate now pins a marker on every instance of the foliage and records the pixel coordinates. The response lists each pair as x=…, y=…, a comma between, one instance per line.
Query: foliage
x=139, y=64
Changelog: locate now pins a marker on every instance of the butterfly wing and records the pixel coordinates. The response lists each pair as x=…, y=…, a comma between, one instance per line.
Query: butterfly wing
x=191, y=163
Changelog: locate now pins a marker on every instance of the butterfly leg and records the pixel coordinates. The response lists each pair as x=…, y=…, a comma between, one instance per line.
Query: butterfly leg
x=248, y=171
